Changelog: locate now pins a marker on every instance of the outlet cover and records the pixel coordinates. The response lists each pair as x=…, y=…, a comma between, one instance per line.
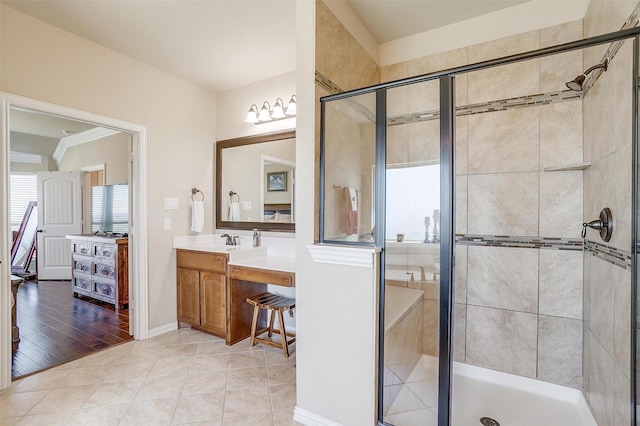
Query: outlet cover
x=246, y=205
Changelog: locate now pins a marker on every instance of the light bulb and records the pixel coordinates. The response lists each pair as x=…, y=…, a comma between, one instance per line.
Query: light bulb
x=264, y=112
x=291, y=108
x=252, y=115
x=278, y=111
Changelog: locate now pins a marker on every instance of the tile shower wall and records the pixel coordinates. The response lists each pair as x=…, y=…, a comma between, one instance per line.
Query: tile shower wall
x=517, y=310
x=607, y=293
x=346, y=64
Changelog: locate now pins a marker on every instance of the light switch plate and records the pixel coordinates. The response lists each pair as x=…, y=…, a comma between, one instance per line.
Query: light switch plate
x=167, y=224
x=171, y=203
x=246, y=205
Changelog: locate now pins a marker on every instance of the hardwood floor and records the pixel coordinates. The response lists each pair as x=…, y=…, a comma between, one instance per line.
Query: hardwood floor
x=56, y=327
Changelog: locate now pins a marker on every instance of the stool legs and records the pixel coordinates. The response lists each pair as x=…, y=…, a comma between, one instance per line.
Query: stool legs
x=271, y=322
x=254, y=324
x=283, y=334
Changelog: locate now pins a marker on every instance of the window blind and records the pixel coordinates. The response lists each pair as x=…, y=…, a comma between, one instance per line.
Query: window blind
x=23, y=189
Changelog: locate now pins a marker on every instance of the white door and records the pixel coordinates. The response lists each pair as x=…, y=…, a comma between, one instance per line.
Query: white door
x=59, y=214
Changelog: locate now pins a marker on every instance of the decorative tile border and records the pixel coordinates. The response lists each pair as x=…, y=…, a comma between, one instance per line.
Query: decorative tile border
x=618, y=257
x=472, y=109
x=621, y=258
x=492, y=106
x=574, y=244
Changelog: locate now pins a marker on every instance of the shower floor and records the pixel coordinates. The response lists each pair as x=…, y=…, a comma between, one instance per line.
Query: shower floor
x=479, y=392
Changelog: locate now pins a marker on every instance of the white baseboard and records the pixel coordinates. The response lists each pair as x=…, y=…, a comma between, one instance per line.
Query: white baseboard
x=308, y=418
x=163, y=329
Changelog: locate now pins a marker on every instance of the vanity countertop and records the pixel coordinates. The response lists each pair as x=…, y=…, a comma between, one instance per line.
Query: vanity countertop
x=247, y=256
x=243, y=251
x=272, y=263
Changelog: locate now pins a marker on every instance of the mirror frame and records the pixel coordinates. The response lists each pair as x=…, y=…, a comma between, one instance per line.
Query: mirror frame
x=248, y=140
x=20, y=235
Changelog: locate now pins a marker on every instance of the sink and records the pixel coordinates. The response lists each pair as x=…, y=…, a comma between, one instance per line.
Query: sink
x=216, y=246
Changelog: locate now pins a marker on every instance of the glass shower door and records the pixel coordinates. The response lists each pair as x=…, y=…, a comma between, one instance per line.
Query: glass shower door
x=412, y=255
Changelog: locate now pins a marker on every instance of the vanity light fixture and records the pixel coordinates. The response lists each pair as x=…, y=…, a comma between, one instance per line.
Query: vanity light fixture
x=266, y=114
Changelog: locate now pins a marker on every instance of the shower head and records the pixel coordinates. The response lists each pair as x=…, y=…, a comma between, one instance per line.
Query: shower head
x=576, y=83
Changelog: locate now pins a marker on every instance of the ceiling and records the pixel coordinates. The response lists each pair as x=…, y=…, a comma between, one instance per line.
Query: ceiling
x=223, y=44
x=50, y=126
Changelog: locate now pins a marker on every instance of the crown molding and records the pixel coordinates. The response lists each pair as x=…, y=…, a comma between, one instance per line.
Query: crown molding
x=80, y=138
x=23, y=157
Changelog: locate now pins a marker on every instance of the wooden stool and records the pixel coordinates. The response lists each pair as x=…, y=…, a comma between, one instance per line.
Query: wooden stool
x=274, y=303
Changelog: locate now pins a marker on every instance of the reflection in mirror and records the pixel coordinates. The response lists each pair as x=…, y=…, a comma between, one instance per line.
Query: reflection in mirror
x=24, y=243
x=255, y=182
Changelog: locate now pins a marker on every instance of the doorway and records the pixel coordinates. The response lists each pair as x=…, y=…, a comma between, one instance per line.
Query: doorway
x=136, y=174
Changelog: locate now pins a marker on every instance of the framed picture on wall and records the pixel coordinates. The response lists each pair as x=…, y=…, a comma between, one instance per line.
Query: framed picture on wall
x=277, y=181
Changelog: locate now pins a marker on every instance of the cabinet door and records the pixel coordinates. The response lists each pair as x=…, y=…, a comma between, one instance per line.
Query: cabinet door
x=189, y=296
x=213, y=302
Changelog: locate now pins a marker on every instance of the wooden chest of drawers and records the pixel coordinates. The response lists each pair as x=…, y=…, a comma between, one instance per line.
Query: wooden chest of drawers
x=100, y=268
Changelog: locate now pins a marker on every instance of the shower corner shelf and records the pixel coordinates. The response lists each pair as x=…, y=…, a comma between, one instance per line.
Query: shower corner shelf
x=571, y=167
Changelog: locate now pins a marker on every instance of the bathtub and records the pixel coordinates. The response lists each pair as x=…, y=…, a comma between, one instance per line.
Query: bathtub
x=403, y=322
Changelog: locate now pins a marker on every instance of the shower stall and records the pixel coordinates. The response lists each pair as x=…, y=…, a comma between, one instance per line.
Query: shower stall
x=503, y=194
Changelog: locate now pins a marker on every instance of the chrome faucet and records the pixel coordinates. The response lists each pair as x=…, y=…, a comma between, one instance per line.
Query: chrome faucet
x=230, y=241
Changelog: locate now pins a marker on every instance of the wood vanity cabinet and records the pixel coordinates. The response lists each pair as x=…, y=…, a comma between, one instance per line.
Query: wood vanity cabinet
x=202, y=294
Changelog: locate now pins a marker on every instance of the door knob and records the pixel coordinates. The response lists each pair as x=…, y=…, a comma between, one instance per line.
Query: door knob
x=604, y=225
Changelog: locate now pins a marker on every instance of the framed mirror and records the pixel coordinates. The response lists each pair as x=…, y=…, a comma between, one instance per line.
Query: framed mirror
x=24, y=243
x=255, y=182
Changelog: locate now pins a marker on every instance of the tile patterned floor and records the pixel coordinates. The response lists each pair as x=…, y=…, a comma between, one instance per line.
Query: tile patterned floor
x=411, y=393
x=181, y=377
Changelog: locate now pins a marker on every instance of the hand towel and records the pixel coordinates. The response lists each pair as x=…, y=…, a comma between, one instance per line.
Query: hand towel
x=234, y=211
x=197, y=216
x=353, y=195
x=352, y=210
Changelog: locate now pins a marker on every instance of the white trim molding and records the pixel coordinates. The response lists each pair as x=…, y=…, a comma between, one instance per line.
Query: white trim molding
x=163, y=329
x=361, y=257
x=310, y=419
x=138, y=235
x=23, y=157
x=80, y=138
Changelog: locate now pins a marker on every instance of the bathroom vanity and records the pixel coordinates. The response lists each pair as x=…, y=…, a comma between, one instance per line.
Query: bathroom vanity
x=213, y=283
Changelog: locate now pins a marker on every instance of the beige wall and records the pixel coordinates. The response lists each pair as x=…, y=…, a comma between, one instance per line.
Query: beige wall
x=43, y=62
x=113, y=151
x=46, y=165
x=32, y=144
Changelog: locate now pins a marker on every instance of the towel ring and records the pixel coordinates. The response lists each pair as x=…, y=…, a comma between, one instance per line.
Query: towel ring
x=194, y=191
x=231, y=194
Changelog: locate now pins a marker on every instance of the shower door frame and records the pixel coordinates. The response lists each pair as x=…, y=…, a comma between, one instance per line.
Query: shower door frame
x=447, y=202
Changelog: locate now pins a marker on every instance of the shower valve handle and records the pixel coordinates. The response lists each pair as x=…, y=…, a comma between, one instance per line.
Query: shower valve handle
x=604, y=225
